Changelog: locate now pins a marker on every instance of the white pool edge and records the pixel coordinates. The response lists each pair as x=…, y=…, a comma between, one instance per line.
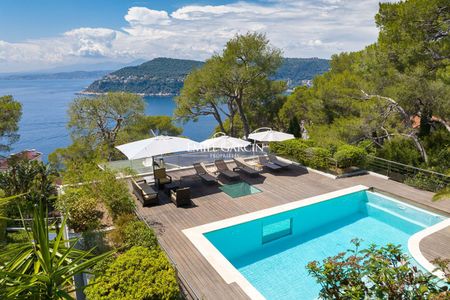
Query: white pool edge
x=414, y=247
x=225, y=269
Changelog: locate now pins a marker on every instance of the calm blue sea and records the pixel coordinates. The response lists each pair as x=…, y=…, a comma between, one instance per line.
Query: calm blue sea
x=45, y=104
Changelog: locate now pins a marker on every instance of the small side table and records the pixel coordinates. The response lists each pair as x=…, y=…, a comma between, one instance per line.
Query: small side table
x=173, y=186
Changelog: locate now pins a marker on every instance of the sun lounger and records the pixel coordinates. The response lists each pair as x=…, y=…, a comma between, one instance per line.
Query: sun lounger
x=274, y=159
x=264, y=161
x=146, y=194
x=242, y=166
x=203, y=173
x=223, y=169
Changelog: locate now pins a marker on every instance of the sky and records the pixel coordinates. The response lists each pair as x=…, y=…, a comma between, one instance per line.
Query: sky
x=44, y=34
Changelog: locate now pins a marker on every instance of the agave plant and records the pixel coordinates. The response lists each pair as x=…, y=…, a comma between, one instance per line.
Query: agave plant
x=43, y=268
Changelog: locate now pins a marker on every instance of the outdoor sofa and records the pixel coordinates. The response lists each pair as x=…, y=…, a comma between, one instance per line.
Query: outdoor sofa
x=145, y=193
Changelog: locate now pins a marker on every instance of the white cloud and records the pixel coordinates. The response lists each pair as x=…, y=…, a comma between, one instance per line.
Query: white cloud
x=91, y=42
x=137, y=16
x=301, y=28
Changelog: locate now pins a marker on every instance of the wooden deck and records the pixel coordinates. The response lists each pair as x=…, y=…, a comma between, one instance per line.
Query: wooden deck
x=211, y=204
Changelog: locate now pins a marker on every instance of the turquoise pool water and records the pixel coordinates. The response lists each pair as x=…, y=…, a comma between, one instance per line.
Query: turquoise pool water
x=272, y=252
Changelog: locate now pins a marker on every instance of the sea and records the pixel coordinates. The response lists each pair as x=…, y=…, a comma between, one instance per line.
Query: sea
x=45, y=102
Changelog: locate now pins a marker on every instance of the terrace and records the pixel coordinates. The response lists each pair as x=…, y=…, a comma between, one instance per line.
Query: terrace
x=209, y=204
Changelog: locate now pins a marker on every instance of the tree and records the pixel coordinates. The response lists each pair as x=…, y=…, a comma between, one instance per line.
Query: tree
x=415, y=36
x=34, y=180
x=201, y=96
x=101, y=119
x=138, y=274
x=294, y=127
x=41, y=268
x=374, y=273
x=238, y=79
x=302, y=108
x=144, y=126
x=396, y=88
x=249, y=62
x=10, y=114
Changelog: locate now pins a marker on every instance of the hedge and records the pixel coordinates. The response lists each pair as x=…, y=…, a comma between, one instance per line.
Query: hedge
x=348, y=156
x=317, y=157
x=295, y=149
x=303, y=152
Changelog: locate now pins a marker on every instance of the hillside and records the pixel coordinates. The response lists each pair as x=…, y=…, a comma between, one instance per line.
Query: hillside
x=297, y=70
x=165, y=76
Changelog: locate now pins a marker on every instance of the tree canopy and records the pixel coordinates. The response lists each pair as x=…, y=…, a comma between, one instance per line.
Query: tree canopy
x=394, y=91
x=10, y=114
x=235, y=83
x=98, y=124
x=100, y=119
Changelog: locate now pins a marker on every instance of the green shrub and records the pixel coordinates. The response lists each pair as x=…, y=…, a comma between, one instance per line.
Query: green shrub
x=81, y=209
x=137, y=274
x=130, y=232
x=348, y=156
x=20, y=236
x=114, y=194
x=317, y=158
x=303, y=152
x=294, y=149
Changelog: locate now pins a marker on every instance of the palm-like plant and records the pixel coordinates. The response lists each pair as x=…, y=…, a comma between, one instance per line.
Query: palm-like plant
x=42, y=268
x=443, y=194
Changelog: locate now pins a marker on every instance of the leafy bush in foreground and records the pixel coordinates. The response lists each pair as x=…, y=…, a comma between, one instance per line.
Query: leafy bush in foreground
x=348, y=156
x=374, y=273
x=137, y=274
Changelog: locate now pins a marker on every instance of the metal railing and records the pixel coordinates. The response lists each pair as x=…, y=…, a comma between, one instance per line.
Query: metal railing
x=405, y=173
x=177, y=161
x=17, y=224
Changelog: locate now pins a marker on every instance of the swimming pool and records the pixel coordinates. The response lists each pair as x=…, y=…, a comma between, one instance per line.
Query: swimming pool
x=266, y=252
